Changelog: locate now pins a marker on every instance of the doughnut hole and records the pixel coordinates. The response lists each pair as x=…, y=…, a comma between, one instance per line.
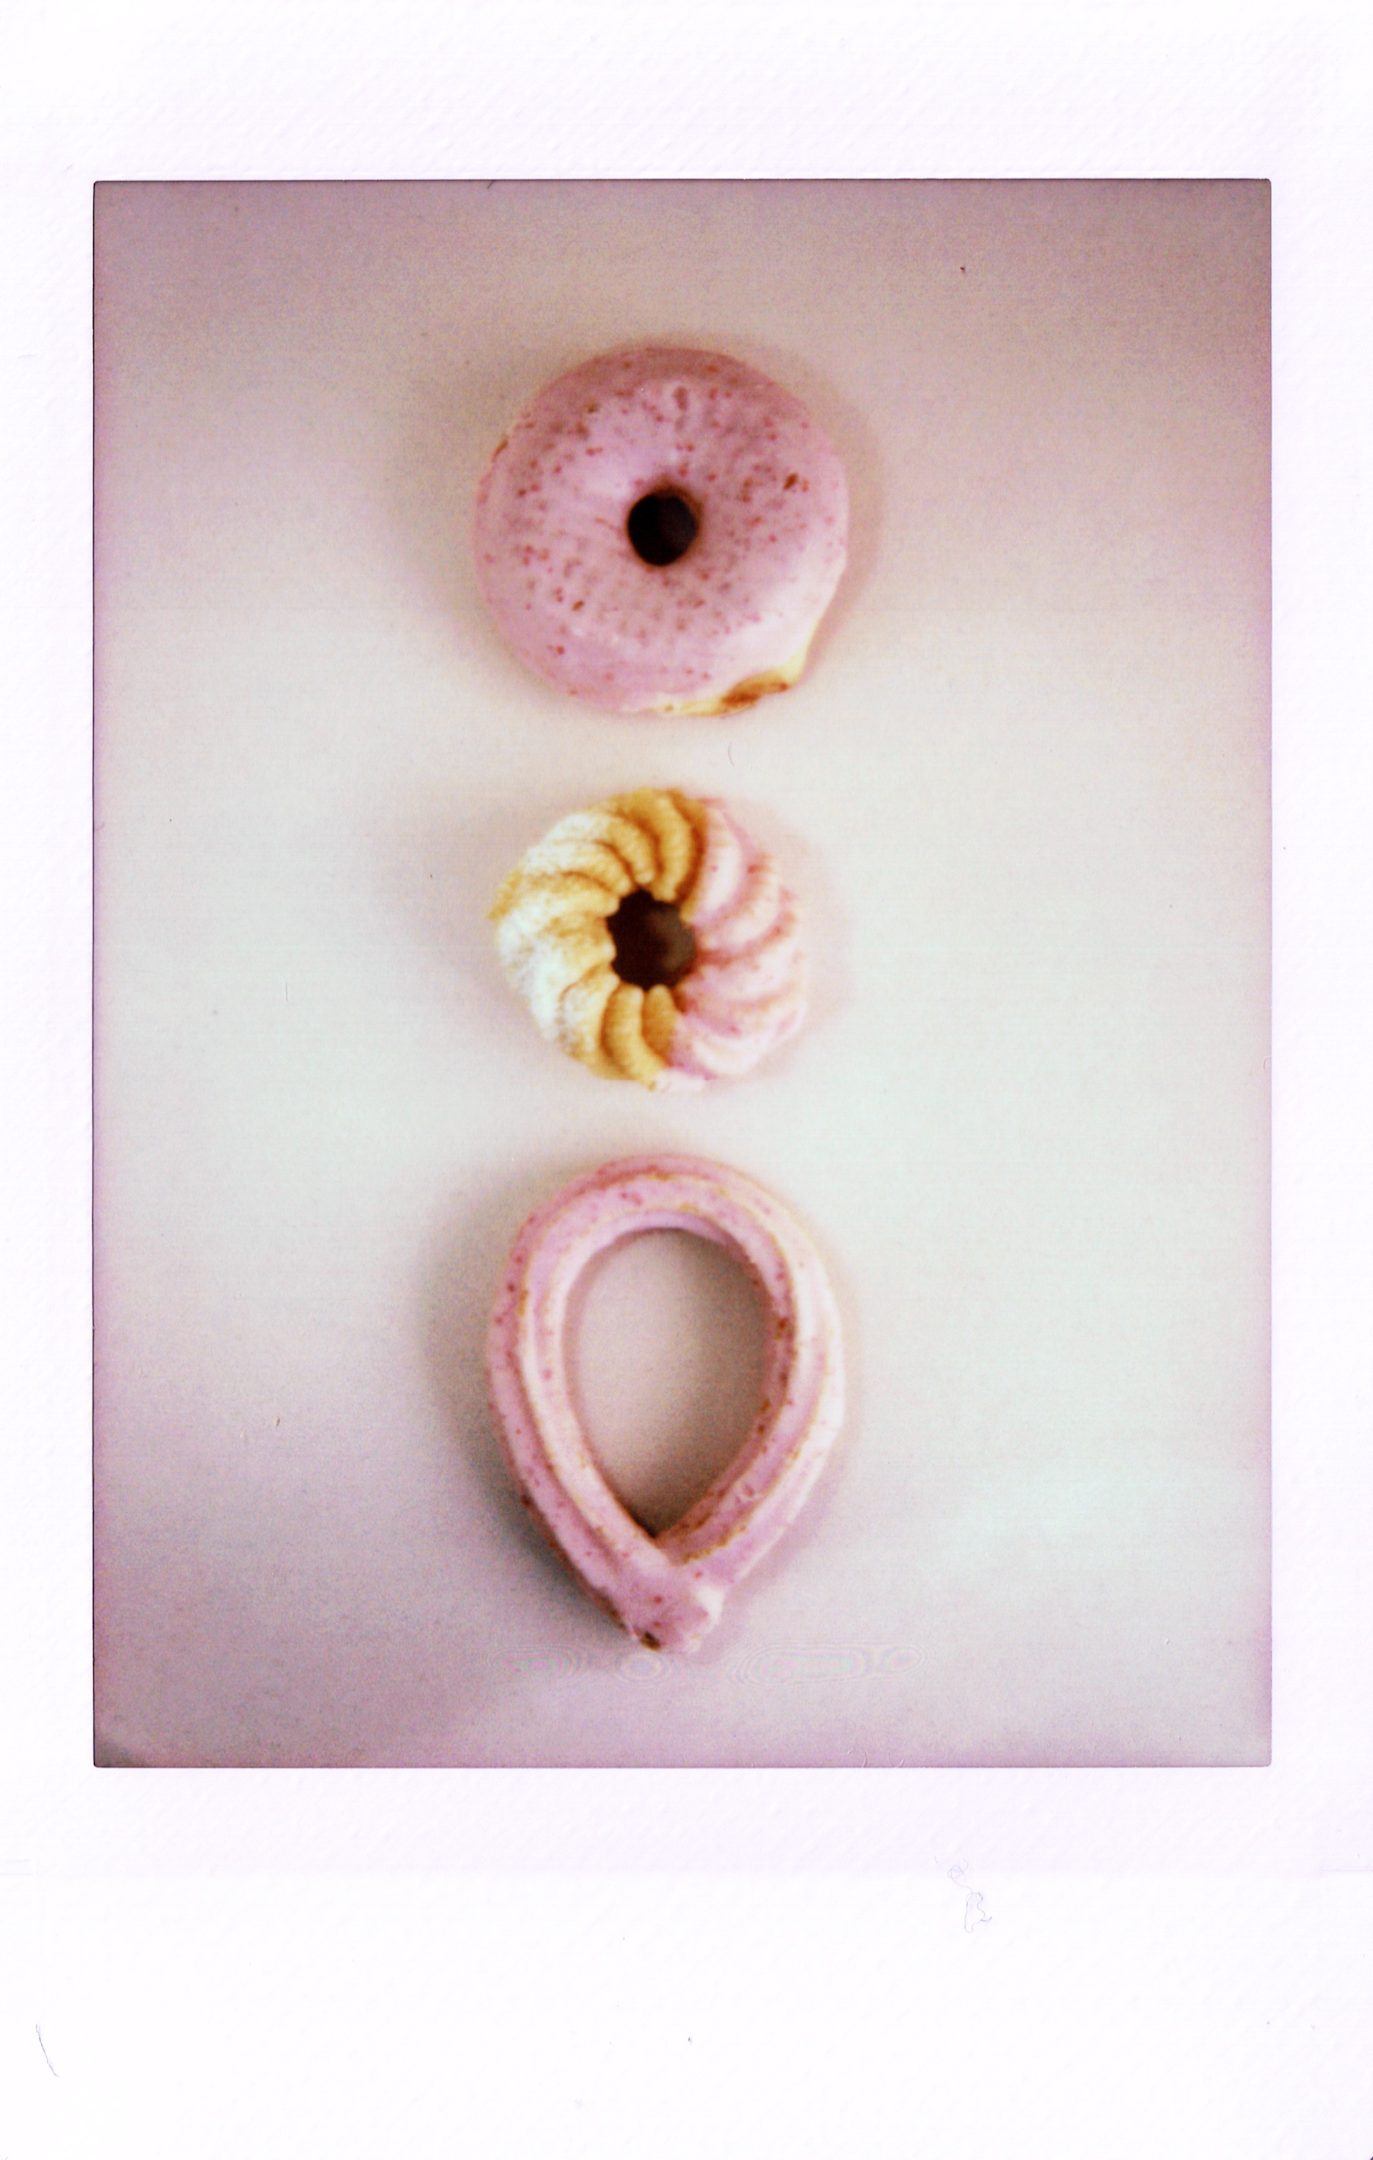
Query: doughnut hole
x=661, y=527
x=652, y=943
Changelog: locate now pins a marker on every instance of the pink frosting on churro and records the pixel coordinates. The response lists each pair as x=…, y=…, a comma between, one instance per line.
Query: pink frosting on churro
x=711, y=630
x=668, y=1590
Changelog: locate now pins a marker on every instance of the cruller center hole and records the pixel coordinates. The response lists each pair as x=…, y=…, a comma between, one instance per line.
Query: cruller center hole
x=661, y=527
x=652, y=943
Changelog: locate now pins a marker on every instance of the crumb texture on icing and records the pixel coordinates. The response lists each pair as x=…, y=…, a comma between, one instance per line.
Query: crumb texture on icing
x=668, y=1590
x=745, y=990
x=730, y=619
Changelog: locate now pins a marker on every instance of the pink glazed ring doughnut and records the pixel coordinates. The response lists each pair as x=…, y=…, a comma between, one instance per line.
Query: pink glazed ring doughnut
x=668, y=1591
x=661, y=531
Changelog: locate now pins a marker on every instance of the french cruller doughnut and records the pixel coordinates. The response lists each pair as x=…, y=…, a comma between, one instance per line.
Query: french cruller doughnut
x=661, y=531
x=668, y=1590
x=654, y=941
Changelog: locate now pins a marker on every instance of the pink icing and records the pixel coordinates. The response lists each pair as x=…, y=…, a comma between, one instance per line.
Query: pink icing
x=747, y=990
x=554, y=558
x=667, y=1590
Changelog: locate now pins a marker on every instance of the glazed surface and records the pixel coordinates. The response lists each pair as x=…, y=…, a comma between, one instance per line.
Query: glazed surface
x=669, y=1590
x=729, y=621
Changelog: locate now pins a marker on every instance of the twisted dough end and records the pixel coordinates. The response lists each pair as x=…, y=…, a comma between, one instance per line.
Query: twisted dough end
x=744, y=991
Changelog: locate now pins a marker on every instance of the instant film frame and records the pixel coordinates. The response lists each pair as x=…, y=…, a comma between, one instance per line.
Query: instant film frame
x=1023, y=791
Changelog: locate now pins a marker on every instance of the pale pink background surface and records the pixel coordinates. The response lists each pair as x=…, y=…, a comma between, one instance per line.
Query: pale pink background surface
x=1023, y=793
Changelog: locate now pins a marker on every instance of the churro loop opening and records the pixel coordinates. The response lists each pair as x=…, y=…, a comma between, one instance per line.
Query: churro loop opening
x=667, y=1591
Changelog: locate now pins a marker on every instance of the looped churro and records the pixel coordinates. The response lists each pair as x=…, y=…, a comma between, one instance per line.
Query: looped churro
x=654, y=941
x=668, y=1590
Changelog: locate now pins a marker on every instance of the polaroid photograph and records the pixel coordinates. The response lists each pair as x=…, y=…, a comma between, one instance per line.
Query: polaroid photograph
x=861, y=589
